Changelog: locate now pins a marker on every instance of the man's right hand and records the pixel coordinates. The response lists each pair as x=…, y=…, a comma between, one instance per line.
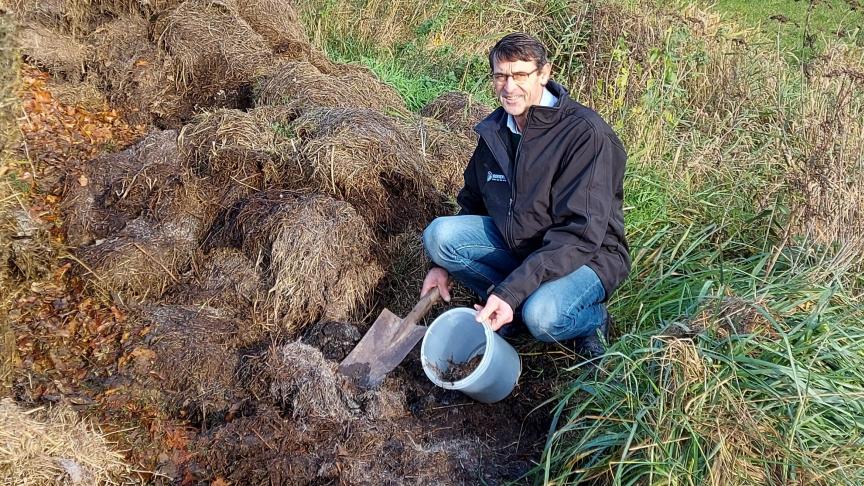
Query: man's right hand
x=437, y=277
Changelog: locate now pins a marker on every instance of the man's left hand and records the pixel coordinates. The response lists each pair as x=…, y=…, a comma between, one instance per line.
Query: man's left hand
x=496, y=311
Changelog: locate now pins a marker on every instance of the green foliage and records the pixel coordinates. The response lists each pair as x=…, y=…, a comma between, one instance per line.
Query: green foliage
x=761, y=391
x=802, y=28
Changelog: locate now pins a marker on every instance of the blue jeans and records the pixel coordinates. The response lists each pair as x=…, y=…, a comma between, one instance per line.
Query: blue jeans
x=473, y=251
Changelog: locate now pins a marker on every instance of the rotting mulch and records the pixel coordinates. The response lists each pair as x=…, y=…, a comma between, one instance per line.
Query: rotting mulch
x=231, y=245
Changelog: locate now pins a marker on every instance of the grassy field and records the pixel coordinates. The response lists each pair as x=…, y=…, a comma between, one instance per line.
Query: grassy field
x=802, y=28
x=739, y=358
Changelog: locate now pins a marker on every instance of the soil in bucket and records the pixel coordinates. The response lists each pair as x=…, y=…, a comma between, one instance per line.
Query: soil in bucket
x=458, y=371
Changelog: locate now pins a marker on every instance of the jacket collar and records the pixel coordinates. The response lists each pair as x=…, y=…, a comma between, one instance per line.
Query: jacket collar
x=547, y=100
x=493, y=129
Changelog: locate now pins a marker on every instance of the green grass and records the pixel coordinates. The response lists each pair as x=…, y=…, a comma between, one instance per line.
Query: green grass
x=413, y=77
x=733, y=150
x=802, y=27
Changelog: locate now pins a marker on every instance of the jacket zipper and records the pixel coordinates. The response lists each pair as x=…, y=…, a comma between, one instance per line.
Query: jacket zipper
x=508, y=227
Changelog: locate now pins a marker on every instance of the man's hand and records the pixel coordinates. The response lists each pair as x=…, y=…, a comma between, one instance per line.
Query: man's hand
x=496, y=311
x=437, y=277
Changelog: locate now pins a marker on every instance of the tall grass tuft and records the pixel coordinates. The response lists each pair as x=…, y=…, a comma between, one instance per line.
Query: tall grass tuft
x=723, y=379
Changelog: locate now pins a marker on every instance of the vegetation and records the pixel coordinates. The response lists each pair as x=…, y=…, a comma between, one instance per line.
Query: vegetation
x=803, y=28
x=739, y=357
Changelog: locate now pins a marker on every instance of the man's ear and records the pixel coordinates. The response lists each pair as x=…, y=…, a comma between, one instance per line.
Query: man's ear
x=545, y=73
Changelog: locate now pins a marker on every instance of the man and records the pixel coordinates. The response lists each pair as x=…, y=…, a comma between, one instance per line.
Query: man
x=541, y=228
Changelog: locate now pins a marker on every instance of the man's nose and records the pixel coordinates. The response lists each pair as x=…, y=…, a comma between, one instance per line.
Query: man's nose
x=510, y=84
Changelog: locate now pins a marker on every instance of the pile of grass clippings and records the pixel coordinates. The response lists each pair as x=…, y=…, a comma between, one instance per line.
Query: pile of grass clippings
x=51, y=448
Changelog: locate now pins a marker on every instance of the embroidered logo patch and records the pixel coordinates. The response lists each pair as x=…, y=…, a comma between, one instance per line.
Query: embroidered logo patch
x=495, y=177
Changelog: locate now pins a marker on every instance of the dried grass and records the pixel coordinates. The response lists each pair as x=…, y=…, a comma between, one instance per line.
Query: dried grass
x=9, y=83
x=317, y=252
x=457, y=111
x=63, y=55
x=119, y=187
x=54, y=448
x=277, y=22
x=52, y=14
x=135, y=74
x=195, y=358
x=141, y=260
x=10, y=138
x=146, y=256
x=302, y=87
x=212, y=47
x=825, y=159
x=446, y=152
x=233, y=146
x=369, y=159
x=85, y=94
x=223, y=278
x=308, y=385
x=30, y=252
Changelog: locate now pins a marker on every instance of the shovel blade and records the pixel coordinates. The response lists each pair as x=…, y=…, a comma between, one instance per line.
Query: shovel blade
x=381, y=350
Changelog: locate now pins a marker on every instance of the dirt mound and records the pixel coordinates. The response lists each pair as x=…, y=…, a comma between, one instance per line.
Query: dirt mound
x=406, y=429
x=445, y=154
x=233, y=147
x=371, y=160
x=223, y=278
x=144, y=257
x=211, y=44
x=166, y=60
x=334, y=339
x=29, y=254
x=135, y=73
x=112, y=190
x=308, y=386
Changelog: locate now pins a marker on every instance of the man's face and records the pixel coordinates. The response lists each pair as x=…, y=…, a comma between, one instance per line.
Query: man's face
x=517, y=95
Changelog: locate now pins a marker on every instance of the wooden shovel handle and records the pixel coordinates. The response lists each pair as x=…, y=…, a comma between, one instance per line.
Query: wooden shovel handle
x=426, y=302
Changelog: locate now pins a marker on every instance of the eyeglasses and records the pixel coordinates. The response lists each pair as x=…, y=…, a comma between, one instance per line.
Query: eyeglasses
x=500, y=79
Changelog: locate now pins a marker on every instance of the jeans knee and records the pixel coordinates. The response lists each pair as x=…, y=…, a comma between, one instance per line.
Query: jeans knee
x=438, y=239
x=541, y=320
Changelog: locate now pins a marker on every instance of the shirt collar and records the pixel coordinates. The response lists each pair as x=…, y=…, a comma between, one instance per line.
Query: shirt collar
x=548, y=100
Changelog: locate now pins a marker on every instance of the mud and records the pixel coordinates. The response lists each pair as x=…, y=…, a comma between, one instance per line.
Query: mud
x=458, y=371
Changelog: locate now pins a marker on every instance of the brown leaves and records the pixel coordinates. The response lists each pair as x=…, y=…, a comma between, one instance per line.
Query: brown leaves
x=60, y=134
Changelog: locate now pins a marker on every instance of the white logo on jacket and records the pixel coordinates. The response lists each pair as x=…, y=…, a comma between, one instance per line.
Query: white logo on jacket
x=495, y=177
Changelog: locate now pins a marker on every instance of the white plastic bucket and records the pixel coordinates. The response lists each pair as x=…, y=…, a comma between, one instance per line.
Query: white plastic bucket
x=456, y=337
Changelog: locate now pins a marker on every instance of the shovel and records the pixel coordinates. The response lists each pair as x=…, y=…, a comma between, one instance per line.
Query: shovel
x=387, y=343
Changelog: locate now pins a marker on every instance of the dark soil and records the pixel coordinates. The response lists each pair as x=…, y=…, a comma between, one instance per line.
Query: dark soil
x=457, y=371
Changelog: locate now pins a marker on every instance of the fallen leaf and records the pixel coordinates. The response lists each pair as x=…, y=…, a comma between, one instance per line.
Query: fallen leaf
x=83, y=181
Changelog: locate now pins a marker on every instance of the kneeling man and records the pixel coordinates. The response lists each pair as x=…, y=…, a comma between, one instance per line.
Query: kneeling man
x=540, y=234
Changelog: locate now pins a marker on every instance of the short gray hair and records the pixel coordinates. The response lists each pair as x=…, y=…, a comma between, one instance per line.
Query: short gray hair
x=518, y=46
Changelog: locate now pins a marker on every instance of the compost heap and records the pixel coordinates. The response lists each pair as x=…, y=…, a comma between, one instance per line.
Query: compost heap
x=253, y=234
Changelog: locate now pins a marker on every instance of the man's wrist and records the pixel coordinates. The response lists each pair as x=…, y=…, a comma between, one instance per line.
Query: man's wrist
x=505, y=295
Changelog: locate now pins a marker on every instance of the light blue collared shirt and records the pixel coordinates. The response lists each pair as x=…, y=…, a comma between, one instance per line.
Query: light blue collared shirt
x=548, y=100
